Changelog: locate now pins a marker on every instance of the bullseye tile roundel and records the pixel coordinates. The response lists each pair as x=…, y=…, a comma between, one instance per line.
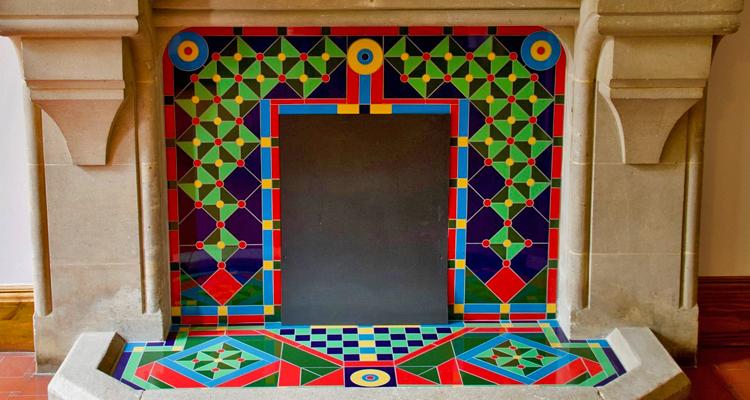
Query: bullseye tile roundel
x=188, y=51
x=541, y=50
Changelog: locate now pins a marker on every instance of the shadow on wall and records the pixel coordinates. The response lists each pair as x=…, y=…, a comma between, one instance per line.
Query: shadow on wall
x=15, y=114
x=725, y=224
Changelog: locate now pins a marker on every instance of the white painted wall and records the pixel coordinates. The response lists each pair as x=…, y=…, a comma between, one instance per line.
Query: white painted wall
x=15, y=111
x=725, y=223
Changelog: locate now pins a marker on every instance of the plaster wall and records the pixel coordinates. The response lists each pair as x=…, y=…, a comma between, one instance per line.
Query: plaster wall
x=725, y=225
x=15, y=237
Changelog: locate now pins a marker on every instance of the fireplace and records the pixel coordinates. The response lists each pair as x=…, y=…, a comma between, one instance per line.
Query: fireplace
x=572, y=133
x=403, y=184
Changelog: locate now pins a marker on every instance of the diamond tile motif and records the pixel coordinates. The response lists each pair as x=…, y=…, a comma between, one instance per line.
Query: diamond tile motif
x=455, y=354
x=225, y=89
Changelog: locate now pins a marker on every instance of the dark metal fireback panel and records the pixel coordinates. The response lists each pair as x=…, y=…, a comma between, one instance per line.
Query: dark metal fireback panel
x=364, y=218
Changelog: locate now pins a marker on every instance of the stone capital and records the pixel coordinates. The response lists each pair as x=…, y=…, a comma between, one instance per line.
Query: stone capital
x=72, y=53
x=655, y=64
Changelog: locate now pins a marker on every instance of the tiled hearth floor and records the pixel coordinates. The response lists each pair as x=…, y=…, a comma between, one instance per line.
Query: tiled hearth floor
x=367, y=356
x=722, y=374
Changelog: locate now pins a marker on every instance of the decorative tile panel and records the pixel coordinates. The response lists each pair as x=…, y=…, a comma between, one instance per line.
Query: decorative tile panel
x=225, y=89
x=368, y=356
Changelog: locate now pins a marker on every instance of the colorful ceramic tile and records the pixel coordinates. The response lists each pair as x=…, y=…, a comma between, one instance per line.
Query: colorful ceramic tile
x=456, y=354
x=225, y=89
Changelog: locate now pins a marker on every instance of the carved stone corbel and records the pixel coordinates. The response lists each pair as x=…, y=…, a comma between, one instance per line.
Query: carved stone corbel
x=654, y=68
x=73, y=65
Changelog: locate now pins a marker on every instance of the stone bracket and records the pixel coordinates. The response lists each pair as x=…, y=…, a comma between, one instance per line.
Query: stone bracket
x=84, y=113
x=648, y=84
x=646, y=116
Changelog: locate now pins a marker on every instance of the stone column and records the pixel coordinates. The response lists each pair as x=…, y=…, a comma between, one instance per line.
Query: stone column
x=639, y=265
x=77, y=66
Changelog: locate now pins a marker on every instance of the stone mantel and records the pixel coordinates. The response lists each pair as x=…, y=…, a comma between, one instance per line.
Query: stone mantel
x=636, y=82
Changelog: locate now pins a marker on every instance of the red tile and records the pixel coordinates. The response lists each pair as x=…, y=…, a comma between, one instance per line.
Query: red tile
x=16, y=365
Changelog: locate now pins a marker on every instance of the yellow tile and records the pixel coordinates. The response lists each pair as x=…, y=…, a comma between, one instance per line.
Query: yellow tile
x=381, y=109
x=458, y=308
x=178, y=348
x=504, y=308
x=463, y=141
x=365, y=331
x=223, y=310
x=460, y=264
x=366, y=343
x=462, y=182
x=138, y=349
x=267, y=183
x=556, y=344
x=347, y=108
x=460, y=224
x=268, y=310
x=544, y=325
x=267, y=265
x=506, y=325
x=368, y=357
x=265, y=142
x=176, y=311
x=267, y=224
x=595, y=345
x=551, y=308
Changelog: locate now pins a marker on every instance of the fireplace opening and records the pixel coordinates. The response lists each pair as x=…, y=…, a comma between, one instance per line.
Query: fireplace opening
x=364, y=218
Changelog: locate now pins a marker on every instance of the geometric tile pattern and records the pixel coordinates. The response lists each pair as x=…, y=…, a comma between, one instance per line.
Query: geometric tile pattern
x=463, y=354
x=225, y=89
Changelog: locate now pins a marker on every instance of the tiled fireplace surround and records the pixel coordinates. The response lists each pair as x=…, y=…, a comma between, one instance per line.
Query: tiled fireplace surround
x=598, y=106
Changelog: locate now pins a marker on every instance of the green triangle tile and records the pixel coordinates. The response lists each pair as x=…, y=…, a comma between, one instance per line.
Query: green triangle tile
x=303, y=359
x=476, y=70
x=322, y=371
x=208, y=71
x=541, y=105
x=461, y=85
x=202, y=92
x=471, y=380
x=186, y=105
x=244, y=49
x=520, y=70
x=431, y=375
x=158, y=384
x=441, y=48
x=419, y=85
x=332, y=49
x=397, y=49
x=269, y=381
x=251, y=294
x=230, y=64
x=288, y=49
x=485, y=48
x=224, y=85
x=307, y=377
x=432, y=357
x=310, y=85
x=535, y=290
x=416, y=370
x=476, y=291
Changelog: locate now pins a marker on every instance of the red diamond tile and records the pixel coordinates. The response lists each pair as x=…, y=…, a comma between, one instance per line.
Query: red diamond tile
x=221, y=286
x=505, y=284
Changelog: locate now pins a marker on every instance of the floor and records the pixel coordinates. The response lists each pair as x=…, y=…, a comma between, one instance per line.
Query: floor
x=17, y=379
x=368, y=356
x=722, y=374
